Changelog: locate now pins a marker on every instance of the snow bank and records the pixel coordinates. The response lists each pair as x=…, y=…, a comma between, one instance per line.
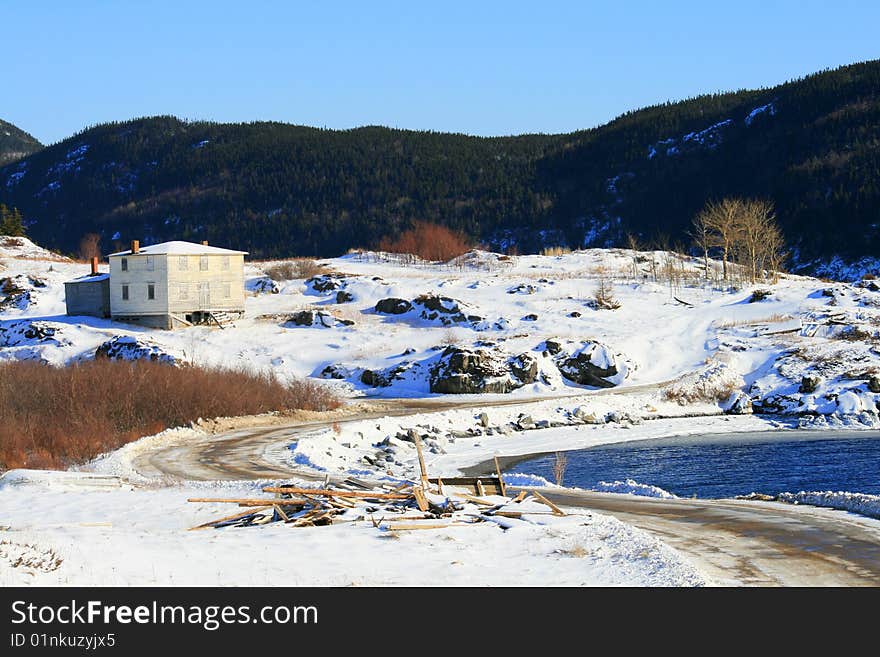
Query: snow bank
x=860, y=503
x=632, y=487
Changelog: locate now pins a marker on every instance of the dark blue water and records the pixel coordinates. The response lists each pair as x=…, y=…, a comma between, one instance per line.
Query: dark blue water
x=736, y=464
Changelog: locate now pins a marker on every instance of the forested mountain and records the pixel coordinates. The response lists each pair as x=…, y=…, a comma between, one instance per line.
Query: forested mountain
x=15, y=143
x=812, y=146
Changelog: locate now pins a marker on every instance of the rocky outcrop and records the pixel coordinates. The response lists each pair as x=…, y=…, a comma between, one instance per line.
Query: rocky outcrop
x=589, y=363
x=809, y=383
x=393, y=306
x=317, y=318
x=125, y=347
x=326, y=283
x=445, y=310
x=24, y=332
x=266, y=286
x=468, y=371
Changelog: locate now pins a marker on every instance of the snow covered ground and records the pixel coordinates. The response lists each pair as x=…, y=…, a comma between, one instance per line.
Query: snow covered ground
x=671, y=359
x=68, y=534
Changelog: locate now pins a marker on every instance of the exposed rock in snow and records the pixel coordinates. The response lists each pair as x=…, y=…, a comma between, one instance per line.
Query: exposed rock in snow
x=393, y=306
x=590, y=363
x=464, y=371
x=25, y=333
x=317, y=318
x=125, y=347
x=326, y=283
x=264, y=285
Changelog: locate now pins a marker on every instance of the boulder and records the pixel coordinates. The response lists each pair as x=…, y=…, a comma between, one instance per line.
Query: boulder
x=266, y=285
x=592, y=364
x=317, y=318
x=525, y=368
x=344, y=297
x=553, y=346
x=23, y=332
x=874, y=383
x=335, y=371
x=124, y=347
x=326, y=282
x=445, y=310
x=393, y=306
x=738, y=403
x=374, y=379
x=809, y=383
x=466, y=371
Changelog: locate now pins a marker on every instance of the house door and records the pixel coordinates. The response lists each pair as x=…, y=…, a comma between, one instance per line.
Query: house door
x=204, y=295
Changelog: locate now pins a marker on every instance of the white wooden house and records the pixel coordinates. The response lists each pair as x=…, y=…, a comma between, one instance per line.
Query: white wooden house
x=176, y=284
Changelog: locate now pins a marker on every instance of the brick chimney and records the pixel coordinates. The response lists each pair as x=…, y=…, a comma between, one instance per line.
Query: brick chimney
x=135, y=246
x=204, y=242
x=94, y=265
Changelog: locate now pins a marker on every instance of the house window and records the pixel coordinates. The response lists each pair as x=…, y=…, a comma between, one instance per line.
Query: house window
x=203, y=263
x=124, y=264
x=124, y=290
x=183, y=263
x=151, y=263
x=151, y=291
x=225, y=262
x=183, y=292
x=226, y=291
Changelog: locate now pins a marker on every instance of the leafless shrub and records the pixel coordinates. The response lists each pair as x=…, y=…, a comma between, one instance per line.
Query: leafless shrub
x=855, y=334
x=54, y=417
x=294, y=269
x=428, y=241
x=555, y=250
x=603, y=296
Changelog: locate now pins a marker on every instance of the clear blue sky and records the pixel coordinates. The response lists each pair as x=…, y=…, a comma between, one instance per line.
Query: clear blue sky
x=484, y=68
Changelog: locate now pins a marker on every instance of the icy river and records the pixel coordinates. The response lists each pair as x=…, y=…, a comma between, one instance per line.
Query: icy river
x=717, y=466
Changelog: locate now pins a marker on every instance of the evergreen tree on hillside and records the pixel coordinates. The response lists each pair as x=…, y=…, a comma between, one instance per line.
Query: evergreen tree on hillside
x=11, y=222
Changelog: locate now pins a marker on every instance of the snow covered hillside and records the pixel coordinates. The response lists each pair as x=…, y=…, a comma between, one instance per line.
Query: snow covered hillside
x=522, y=327
x=489, y=324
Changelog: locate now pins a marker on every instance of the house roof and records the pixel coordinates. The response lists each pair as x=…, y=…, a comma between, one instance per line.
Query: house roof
x=179, y=248
x=89, y=278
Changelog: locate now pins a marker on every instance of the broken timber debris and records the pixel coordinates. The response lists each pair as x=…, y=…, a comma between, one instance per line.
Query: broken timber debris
x=408, y=505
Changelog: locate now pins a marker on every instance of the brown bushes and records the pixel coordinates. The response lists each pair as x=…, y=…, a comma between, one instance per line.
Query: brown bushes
x=55, y=417
x=291, y=269
x=429, y=242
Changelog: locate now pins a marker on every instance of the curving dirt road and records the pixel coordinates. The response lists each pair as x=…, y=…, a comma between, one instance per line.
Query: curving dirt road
x=738, y=542
x=733, y=542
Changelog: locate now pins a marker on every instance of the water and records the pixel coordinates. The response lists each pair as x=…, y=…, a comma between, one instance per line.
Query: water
x=730, y=465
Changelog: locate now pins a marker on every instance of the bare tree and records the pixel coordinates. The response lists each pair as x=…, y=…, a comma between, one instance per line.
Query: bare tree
x=747, y=234
x=701, y=231
x=721, y=219
x=90, y=246
x=560, y=464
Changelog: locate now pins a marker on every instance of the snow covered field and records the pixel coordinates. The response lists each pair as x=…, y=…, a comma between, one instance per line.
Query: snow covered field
x=692, y=357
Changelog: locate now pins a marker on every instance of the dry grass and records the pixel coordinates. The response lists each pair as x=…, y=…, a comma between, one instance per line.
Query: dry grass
x=293, y=269
x=56, y=417
x=733, y=323
x=555, y=250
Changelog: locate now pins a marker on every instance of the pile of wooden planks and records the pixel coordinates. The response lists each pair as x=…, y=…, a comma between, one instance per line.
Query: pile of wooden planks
x=426, y=504
x=401, y=508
